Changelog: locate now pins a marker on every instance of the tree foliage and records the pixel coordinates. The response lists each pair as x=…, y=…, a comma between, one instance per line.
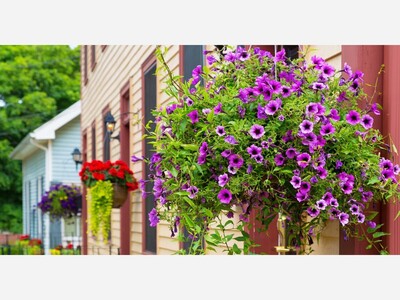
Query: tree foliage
x=36, y=83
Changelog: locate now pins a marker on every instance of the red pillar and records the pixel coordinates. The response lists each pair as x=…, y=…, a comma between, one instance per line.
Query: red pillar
x=391, y=113
x=367, y=59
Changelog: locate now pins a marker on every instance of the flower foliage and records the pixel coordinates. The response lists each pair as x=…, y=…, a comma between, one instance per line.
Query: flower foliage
x=100, y=199
x=253, y=132
x=116, y=172
x=61, y=200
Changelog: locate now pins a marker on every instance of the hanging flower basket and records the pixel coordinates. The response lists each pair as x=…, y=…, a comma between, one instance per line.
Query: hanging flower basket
x=120, y=195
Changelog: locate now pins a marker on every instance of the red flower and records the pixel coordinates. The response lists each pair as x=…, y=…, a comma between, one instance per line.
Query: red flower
x=132, y=186
x=113, y=172
x=24, y=237
x=70, y=246
x=121, y=174
x=99, y=176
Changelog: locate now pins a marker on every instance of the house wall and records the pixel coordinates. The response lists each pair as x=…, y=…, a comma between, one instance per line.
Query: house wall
x=33, y=169
x=67, y=138
x=115, y=66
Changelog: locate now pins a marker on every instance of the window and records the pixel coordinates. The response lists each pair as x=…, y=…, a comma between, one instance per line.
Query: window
x=106, y=145
x=85, y=64
x=149, y=96
x=94, y=140
x=93, y=56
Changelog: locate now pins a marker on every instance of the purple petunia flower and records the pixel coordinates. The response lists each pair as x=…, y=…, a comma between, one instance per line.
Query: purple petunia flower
x=194, y=116
x=189, y=102
x=203, y=150
x=235, y=161
x=193, y=190
x=256, y=131
x=321, y=204
x=220, y=130
x=327, y=70
x=281, y=118
x=371, y=224
x=273, y=106
x=367, y=121
x=343, y=218
x=286, y=92
x=327, y=129
x=322, y=172
x=338, y=165
x=225, y=196
x=303, y=160
x=136, y=159
x=259, y=158
x=304, y=187
x=232, y=169
x=355, y=209
x=347, y=187
x=218, y=108
x=153, y=218
x=301, y=197
x=306, y=126
x=261, y=112
x=249, y=169
x=318, y=86
x=253, y=150
x=206, y=111
x=353, y=117
x=360, y=218
x=211, y=59
x=313, y=180
x=296, y=181
x=334, y=115
x=313, y=212
x=291, y=153
x=226, y=153
x=375, y=110
x=202, y=159
x=223, y=179
x=231, y=140
x=279, y=159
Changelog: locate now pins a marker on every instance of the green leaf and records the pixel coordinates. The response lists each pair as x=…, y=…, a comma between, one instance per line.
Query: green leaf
x=236, y=249
x=190, y=147
x=373, y=180
x=397, y=215
x=207, y=212
x=174, y=172
x=379, y=234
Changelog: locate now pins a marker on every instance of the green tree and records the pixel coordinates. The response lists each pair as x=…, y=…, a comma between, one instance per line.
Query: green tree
x=36, y=83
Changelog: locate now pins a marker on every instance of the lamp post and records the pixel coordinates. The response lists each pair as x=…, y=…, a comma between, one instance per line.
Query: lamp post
x=77, y=157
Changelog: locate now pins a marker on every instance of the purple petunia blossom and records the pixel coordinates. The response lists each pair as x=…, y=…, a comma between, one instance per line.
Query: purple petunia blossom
x=286, y=92
x=223, y=179
x=303, y=160
x=253, y=150
x=327, y=70
x=281, y=118
x=189, y=102
x=367, y=121
x=226, y=153
x=291, y=153
x=279, y=159
x=211, y=59
x=296, y=181
x=306, y=126
x=311, y=109
x=225, y=196
x=360, y=218
x=256, y=131
x=304, y=187
x=220, y=130
x=355, y=209
x=334, y=115
x=206, y=111
x=201, y=159
x=322, y=172
x=232, y=169
x=343, y=218
x=327, y=129
x=273, y=106
x=136, y=159
x=231, y=140
x=203, y=150
x=318, y=86
x=259, y=158
x=261, y=112
x=153, y=218
x=313, y=180
x=347, y=187
x=353, y=117
x=218, y=108
x=371, y=224
x=193, y=190
x=249, y=169
x=301, y=197
x=235, y=161
x=313, y=212
x=375, y=110
x=194, y=116
x=321, y=204
x=241, y=111
x=338, y=165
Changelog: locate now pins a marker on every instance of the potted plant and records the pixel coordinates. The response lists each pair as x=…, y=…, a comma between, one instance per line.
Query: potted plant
x=256, y=132
x=61, y=201
x=108, y=186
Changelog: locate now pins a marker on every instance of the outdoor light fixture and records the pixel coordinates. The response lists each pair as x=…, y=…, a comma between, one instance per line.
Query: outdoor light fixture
x=110, y=125
x=77, y=157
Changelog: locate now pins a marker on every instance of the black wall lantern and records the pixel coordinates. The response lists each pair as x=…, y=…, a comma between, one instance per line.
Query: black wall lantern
x=110, y=126
x=77, y=157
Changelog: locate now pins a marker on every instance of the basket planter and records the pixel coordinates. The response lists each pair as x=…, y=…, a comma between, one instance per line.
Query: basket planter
x=120, y=195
